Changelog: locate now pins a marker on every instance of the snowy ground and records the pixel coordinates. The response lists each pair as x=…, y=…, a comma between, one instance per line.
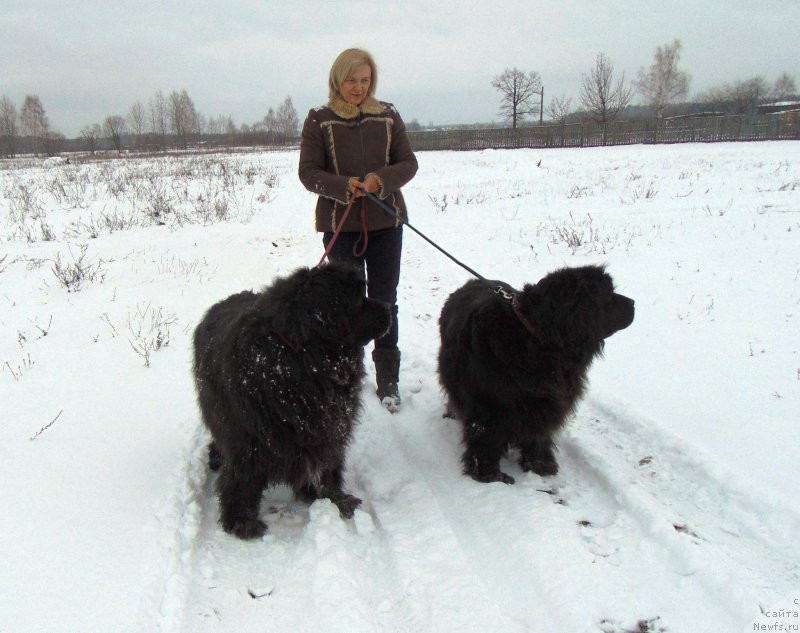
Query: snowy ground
x=676, y=506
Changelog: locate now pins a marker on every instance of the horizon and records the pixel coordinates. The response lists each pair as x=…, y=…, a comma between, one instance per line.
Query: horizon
x=436, y=62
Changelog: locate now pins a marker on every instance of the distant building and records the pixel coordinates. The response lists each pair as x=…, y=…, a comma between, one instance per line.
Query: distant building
x=779, y=106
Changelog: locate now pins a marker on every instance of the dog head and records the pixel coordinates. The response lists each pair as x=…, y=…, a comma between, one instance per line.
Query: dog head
x=358, y=318
x=328, y=303
x=575, y=308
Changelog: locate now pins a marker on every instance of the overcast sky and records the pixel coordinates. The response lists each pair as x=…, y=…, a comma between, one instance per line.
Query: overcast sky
x=436, y=58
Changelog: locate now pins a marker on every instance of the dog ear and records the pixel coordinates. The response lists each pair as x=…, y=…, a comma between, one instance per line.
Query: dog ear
x=286, y=303
x=321, y=302
x=531, y=301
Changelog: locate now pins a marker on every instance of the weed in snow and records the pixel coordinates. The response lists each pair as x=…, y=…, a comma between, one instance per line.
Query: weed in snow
x=639, y=191
x=178, y=267
x=73, y=275
x=22, y=339
x=149, y=330
x=27, y=215
x=107, y=320
x=47, y=426
x=440, y=204
x=162, y=192
x=460, y=198
x=642, y=626
x=24, y=366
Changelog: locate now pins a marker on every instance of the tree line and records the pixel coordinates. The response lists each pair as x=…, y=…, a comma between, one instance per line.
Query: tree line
x=173, y=121
x=165, y=122
x=604, y=95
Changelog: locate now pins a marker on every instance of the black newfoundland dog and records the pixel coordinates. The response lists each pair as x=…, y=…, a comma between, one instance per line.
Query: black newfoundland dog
x=278, y=376
x=513, y=365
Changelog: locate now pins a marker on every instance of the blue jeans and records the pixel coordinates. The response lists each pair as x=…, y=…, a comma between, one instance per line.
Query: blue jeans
x=382, y=261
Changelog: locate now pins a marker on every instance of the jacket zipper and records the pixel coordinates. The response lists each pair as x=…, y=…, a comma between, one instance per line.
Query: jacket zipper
x=363, y=157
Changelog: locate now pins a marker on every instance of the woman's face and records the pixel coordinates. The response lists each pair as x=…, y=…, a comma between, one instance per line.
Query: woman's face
x=354, y=89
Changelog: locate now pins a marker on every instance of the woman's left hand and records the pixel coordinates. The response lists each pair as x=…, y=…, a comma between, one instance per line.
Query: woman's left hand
x=371, y=183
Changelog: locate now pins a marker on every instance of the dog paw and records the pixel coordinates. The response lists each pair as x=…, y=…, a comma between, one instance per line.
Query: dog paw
x=506, y=479
x=391, y=403
x=347, y=505
x=246, y=529
x=543, y=467
x=488, y=478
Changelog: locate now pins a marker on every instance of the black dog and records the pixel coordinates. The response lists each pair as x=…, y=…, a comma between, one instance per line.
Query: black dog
x=278, y=377
x=513, y=369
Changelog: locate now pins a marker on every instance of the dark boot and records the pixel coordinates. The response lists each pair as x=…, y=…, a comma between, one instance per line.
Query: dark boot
x=387, y=372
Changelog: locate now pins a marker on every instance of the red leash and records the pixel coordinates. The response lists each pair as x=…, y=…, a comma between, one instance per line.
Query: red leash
x=364, y=233
x=338, y=230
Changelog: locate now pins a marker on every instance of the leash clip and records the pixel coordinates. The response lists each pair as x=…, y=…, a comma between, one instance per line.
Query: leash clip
x=504, y=293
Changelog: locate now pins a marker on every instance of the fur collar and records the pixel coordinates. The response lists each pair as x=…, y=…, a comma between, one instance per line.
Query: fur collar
x=346, y=110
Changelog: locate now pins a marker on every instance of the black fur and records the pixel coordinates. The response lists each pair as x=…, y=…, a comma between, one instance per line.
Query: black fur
x=278, y=376
x=512, y=384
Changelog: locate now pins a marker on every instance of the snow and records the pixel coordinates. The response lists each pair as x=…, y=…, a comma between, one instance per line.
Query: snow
x=676, y=505
x=53, y=161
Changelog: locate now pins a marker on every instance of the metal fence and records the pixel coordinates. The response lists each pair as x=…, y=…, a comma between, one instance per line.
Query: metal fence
x=677, y=130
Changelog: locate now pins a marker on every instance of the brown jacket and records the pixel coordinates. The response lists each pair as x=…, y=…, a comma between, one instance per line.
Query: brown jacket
x=341, y=141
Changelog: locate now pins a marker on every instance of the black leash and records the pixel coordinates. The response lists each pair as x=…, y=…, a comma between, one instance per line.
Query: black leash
x=498, y=287
x=395, y=215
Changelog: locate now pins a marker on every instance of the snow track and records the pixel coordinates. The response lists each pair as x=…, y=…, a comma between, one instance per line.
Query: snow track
x=698, y=525
x=632, y=530
x=439, y=563
x=164, y=601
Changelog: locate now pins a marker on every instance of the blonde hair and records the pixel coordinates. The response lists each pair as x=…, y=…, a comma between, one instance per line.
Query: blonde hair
x=347, y=61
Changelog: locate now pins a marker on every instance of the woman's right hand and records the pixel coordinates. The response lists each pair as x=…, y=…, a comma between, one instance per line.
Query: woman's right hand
x=355, y=187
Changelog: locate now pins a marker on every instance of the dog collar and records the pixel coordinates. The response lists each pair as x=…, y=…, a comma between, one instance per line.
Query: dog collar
x=509, y=294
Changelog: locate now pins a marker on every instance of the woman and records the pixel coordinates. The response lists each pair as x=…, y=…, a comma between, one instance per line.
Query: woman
x=354, y=144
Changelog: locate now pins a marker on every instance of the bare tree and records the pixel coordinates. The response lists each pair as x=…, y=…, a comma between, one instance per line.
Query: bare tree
x=114, y=128
x=230, y=129
x=8, y=127
x=215, y=125
x=740, y=97
x=183, y=118
x=200, y=122
x=663, y=82
x=746, y=95
x=600, y=94
x=220, y=125
x=517, y=93
x=270, y=122
x=559, y=108
x=287, y=119
x=159, y=123
x=716, y=97
x=90, y=134
x=33, y=120
x=784, y=87
x=137, y=122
